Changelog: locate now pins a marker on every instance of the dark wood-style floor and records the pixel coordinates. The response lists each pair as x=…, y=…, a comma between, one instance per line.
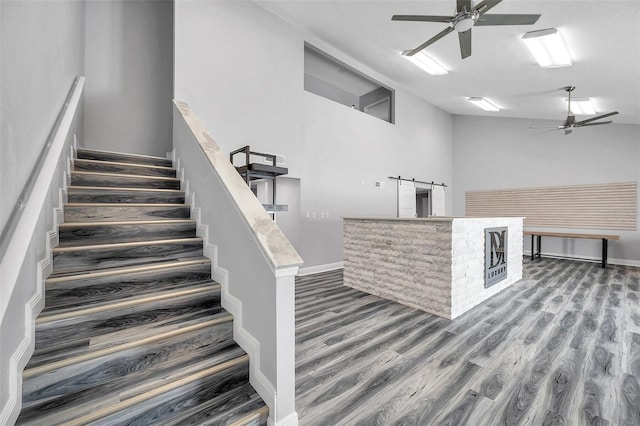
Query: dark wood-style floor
x=560, y=347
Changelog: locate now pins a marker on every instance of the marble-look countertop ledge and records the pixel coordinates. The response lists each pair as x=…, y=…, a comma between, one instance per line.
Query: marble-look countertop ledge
x=428, y=219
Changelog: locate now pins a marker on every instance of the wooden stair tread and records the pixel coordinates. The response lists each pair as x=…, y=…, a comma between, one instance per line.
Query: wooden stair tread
x=120, y=175
x=102, y=151
x=119, y=205
x=103, y=289
x=128, y=244
x=76, y=233
x=117, y=163
x=258, y=414
x=119, y=195
x=127, y=222
x=121, y=180
x=71, y=188
x=49, y=315
x=79, y=258
x=104, y=350
x=119, y=270
x=67, y=339
x=95, y=154
x=114, y=211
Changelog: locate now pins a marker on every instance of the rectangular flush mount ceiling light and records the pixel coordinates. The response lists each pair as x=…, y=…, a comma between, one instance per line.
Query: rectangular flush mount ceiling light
x=548, y=48
x=484, y=104
x=426, y=63
x=582, y=106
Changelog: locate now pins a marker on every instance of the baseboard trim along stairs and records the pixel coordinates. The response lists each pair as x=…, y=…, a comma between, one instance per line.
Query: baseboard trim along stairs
x=133, y=331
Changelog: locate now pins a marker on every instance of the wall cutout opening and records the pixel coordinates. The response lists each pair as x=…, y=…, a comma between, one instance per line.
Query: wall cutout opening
x=327, y=77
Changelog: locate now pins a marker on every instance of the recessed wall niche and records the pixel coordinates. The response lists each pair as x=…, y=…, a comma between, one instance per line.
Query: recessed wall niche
x=327, y=77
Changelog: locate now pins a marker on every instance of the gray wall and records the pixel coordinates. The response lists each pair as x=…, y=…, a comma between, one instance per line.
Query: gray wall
x=288, y=191
x=41, y=52
x=242, y=71
x=129, y=69
x=502, y=153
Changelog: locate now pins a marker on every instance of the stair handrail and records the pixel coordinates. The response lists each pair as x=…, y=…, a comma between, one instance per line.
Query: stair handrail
x=11, y=224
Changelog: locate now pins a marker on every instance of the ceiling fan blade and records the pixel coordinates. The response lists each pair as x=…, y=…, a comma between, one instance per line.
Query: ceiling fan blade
x=486, y=5
x=486, y=20
x=593, y=124
x=582, y=123
x=431, y=41
x=423, y=18
x=465, y=43
x=546, y=131
x=547, y=127
x=463, y=5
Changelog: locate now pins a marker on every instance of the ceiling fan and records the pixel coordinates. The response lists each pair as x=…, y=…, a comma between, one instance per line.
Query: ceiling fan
x=570, y=122
x=465, y=18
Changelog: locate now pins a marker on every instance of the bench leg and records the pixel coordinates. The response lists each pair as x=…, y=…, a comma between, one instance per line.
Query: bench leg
x=539, y=254
x=605, y=247
x=532, y=248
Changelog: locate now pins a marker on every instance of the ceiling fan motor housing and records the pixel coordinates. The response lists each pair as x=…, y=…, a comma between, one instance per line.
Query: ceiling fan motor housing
x=464, y=21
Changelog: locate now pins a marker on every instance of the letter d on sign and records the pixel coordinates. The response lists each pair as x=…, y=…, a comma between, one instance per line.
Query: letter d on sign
x=495, y=255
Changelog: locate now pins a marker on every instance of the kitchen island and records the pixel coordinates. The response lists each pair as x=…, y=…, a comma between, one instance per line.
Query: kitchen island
x=441, y=265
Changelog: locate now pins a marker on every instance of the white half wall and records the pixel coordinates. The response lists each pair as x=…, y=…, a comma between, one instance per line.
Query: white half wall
x=499, y=153
x=129, y=70
x=252, y=260
x=242, y=69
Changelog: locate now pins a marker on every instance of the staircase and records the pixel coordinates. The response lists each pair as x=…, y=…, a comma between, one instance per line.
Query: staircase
x=133, y=331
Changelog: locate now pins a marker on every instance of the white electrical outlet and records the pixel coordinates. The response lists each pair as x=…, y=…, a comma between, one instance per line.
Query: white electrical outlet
x=379, y=184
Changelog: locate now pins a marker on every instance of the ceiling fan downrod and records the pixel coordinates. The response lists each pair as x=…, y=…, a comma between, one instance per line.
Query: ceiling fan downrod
x=569, y=89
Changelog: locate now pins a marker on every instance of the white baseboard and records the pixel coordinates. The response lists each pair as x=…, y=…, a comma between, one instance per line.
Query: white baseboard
x=290, y=420
x=320, y=268
x=595, y=259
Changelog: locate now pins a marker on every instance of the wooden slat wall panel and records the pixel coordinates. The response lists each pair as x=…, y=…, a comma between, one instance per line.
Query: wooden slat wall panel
x=601, y=206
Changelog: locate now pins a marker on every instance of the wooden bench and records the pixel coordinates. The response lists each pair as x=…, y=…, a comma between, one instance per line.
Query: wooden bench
x=605, y=241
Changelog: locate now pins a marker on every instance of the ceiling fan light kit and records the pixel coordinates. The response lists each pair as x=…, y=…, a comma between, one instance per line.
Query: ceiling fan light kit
x=484, y=104
x=426, y=63
x=548, y=48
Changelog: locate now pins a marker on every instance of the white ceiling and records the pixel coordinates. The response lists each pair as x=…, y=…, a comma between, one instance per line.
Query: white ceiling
x=603, y=38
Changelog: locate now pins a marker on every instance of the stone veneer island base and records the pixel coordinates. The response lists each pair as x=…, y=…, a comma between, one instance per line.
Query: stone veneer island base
x=434, y=264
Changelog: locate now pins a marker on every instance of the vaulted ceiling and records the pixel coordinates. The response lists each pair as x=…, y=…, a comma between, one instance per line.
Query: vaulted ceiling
x=603, y=38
